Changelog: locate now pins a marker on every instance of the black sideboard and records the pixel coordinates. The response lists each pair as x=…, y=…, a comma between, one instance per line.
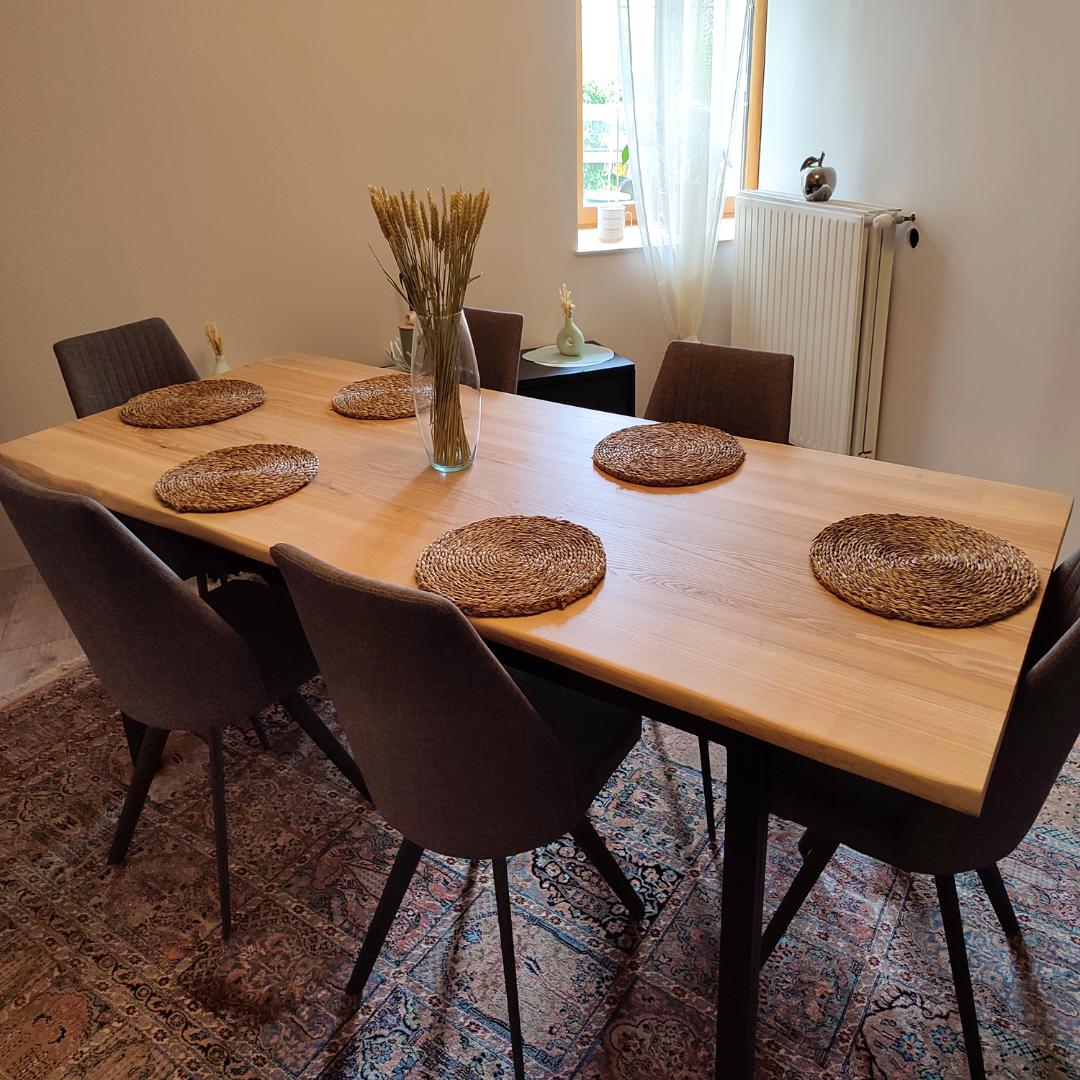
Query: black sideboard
x=608, y=387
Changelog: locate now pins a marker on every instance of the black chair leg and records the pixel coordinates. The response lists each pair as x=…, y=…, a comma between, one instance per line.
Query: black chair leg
x=965, y=997
x=203, y=585
x=306, y=717
x=260, y=731
x=217, y=783
x=706, y=783
x=408, y=857
x=506, y=939
x=990, y=876
x=153, y=743
x=596, y=851
x=815, y=860
x=134, y=732
x=806, y=842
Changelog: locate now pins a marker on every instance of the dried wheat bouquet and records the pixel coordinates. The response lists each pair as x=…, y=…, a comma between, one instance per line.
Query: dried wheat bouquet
x=433, y=248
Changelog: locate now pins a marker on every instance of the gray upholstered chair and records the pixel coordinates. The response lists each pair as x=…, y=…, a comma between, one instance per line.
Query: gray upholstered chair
x=746, y=393
x=497, y=339
x=167, y=659
x=924, y=838
x=107, y=368
x=461, y=756
x=104, y=369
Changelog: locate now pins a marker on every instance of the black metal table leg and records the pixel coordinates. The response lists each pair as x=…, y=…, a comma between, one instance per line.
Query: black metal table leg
x=706, y=784
x=221, y=831
x=745, y=835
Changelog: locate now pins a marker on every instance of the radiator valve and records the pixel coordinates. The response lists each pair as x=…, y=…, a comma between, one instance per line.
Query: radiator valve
x=891, y=217
x=897, y=217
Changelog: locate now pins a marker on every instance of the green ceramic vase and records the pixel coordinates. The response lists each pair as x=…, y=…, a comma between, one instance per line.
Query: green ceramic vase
x=570, y=339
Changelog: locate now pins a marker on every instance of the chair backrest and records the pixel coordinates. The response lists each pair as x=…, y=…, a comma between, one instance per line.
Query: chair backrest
x=454, y=755
x=163, y=655
x=744, y=392
x=496, y=338
x=107, y=368
x=1043, y=726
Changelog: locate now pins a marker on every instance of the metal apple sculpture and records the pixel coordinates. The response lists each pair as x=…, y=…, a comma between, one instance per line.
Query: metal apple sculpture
x=818, y=179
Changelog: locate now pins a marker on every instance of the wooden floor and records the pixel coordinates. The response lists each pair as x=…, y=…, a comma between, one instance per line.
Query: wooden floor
x=35, y=641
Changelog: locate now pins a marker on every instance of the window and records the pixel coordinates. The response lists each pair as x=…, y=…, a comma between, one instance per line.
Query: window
x=603, y=154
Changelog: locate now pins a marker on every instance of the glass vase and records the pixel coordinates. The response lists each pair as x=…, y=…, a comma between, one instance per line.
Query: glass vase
x=446, y=390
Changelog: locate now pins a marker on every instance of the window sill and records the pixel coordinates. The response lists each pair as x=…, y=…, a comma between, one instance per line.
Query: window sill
x=589, y=242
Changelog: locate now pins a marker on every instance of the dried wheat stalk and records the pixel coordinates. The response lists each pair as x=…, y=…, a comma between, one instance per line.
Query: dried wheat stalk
x=212, y=337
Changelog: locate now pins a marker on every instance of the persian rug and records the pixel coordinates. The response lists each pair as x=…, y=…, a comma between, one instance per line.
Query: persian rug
x=117, y=973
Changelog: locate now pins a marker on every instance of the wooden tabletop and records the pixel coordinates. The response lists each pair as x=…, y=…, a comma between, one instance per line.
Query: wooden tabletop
x=709, y=604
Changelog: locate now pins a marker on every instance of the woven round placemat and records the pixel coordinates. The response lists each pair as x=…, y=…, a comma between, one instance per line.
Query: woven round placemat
x=237, y=477
x=668, y=455
x=386, y=397
x=192, y=403
x=923, y=569
x=515, y=565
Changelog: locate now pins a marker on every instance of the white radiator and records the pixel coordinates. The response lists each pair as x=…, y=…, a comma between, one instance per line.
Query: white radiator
x=813, y=280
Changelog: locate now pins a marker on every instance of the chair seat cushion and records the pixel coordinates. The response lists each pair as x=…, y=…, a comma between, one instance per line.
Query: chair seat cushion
x=596, y=736
x=859, y=813
x=266, y=619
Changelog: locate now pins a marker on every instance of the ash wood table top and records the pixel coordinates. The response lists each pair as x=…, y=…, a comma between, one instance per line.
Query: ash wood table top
x=709, y=604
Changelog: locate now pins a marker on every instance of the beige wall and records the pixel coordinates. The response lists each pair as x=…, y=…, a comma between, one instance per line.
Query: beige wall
x=968, y=114
x=204, y=160
x=209, y=160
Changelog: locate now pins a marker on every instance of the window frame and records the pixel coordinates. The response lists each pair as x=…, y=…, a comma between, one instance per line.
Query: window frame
x=586, y=215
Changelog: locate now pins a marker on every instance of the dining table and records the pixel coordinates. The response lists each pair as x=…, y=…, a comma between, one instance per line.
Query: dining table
x=709, y=616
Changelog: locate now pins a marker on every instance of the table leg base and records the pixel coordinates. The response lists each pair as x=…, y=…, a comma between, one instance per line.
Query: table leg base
x=746, y=820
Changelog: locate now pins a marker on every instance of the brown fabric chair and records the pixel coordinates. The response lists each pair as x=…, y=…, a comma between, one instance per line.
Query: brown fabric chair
x=107, y=368
x=462, y=757
x=497, y=339
x=924, y=838
x=744, y=392
x=167, y=659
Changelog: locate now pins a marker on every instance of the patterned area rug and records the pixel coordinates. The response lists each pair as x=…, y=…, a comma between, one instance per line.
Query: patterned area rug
x=117, y=973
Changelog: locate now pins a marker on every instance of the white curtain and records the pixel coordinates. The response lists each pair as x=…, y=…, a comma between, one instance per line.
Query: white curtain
x=681, y=62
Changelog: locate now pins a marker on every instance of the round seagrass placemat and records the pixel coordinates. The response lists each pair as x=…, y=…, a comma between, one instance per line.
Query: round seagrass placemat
x=668, y=455
x=192, y=403
x=386, y=397
x=514, y=565
x=237, y=477
x=923, y=569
